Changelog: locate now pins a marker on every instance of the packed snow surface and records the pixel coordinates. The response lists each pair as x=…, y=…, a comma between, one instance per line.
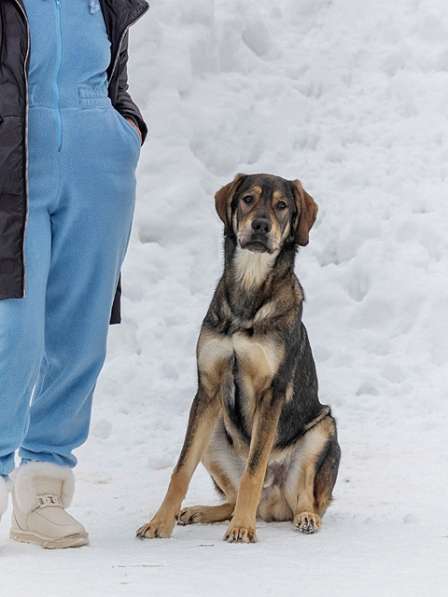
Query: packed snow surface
x=352, y=98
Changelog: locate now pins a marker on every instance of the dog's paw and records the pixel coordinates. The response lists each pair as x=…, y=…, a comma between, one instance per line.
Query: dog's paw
x=157, y=528
x=307, y=522
x=240, y=533
x=190, y=515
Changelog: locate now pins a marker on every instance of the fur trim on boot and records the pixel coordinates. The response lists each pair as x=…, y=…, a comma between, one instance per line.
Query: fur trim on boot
x=26, y=476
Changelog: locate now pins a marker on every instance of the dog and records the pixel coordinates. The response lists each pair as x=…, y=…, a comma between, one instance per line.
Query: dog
x=256, y=422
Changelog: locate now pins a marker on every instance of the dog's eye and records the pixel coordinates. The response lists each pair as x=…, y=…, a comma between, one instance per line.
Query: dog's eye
x=281, y=205
x=248, y=199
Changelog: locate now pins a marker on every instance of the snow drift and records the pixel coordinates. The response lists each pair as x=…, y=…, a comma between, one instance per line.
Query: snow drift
x=351, y=98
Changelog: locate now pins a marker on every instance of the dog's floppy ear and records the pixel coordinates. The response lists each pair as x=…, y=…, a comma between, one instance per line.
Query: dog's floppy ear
x=307, y=213
x=223, y=199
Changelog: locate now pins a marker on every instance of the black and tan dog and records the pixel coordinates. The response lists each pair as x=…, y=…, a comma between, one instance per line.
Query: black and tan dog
x=256, y=422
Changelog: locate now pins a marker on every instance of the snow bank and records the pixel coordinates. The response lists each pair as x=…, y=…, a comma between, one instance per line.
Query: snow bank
x=351, y=98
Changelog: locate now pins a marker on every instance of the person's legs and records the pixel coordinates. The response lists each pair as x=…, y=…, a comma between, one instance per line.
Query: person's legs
x=90, y=230
x=22, y=329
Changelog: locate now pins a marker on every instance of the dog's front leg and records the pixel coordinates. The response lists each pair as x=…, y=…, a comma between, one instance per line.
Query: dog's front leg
x=203, y=416
x=242, y=525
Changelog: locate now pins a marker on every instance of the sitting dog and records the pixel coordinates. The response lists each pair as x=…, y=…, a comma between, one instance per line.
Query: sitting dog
x=256, y=422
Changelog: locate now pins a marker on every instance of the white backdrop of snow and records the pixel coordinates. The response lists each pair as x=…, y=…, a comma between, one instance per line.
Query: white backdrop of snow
x=352, y=98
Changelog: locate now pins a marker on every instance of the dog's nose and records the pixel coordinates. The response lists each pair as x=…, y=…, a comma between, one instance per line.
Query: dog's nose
x=262, y=225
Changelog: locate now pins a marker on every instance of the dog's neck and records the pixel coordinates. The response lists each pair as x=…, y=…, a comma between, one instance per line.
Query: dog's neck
x=252, y=269
x=250, y=278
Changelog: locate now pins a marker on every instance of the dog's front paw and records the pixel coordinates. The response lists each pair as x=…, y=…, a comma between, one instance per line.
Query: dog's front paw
x=240, y=533
x=307, y=522
x=158, y=528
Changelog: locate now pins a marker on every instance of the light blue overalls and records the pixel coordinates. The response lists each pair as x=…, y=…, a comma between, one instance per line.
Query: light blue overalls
x=82, y=160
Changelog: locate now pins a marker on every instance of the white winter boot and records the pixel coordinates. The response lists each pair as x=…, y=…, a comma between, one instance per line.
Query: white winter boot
x=41, y=492
x=4, y=490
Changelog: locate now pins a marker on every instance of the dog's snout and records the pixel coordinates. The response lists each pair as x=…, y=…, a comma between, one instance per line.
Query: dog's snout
x=262, y=225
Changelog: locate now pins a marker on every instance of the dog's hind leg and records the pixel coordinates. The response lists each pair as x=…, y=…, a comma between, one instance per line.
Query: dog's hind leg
x=312, y=492
x=326, y=476
x=306, y=518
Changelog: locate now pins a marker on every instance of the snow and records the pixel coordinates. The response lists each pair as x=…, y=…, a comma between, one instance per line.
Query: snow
x=351, y=98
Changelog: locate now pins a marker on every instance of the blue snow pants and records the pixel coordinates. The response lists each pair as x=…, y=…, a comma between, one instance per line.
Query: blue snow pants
x=82, y=160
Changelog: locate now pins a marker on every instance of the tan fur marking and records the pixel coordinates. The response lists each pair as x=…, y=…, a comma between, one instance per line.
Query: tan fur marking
x=213, y=350
x=286, y=231
x=260, y=357
x=278, y=195
x=214, y=354
x=266, y=311
x=289, y=392
x=275, y=234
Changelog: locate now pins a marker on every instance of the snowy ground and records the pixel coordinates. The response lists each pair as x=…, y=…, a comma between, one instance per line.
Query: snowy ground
x=352, y=98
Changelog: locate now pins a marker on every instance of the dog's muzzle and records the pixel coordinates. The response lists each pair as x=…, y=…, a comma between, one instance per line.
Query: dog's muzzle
x=257, y=243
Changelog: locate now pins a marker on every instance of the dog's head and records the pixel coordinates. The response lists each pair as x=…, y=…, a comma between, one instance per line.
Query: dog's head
x=264, y=211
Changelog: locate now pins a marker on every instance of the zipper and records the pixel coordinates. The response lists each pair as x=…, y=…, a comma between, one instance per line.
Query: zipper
x=25, y=71
x=120, y=42
x=58, y=18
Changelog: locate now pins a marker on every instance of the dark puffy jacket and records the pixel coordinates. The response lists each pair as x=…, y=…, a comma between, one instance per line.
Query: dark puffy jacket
x=119, y=15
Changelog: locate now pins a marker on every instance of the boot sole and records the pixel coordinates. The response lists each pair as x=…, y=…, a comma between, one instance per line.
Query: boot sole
x=48, y=543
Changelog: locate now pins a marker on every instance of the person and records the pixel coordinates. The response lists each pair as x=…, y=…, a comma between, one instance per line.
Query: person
x=70, y=138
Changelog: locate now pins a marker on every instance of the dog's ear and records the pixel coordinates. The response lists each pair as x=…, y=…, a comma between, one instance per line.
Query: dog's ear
x=223, y=199
x=306, y=210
